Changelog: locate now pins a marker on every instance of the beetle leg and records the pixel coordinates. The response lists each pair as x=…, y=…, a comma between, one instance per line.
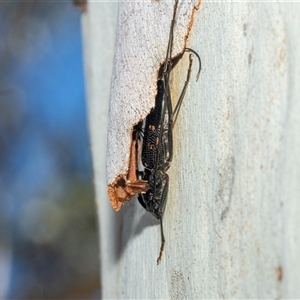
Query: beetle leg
x=162, y=246
x=163, y=203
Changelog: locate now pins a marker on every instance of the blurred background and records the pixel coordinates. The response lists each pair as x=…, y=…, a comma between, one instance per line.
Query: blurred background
x=48, y=228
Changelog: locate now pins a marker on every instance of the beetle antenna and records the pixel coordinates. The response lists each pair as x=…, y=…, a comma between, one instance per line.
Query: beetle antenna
x=199, y=60
x=167, y=66
x=178, y=105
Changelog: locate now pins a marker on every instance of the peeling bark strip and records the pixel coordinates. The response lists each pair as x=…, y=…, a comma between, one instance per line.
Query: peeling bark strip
x=125, y=186
x=141, y=46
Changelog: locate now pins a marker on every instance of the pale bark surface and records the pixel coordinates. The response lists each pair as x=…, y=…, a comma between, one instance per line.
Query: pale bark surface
x=233, y=213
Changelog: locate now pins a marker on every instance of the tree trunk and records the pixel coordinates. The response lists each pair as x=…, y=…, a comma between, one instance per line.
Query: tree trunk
x=232, y=218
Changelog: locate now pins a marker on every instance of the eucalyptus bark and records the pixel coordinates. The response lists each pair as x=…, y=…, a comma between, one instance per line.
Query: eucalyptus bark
x=232, y=217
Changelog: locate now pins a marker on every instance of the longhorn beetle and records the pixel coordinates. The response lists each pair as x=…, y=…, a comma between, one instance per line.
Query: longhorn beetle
x=157, y=147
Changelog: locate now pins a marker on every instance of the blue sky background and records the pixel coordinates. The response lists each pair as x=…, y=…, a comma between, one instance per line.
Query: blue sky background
x=48, y=222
